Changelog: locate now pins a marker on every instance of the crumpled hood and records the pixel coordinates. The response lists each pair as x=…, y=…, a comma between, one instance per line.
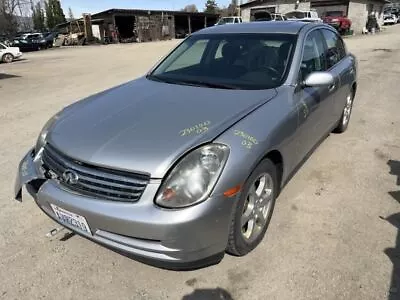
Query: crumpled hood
x=145, y=126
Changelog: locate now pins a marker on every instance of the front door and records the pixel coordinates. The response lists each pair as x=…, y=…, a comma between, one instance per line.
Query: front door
x=311, y=102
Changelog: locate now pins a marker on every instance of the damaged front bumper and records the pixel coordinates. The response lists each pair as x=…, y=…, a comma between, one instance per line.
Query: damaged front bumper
x=28, y=173
x=174, y=239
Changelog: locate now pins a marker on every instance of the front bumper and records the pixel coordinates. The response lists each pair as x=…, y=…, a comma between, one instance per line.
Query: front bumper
x=174, y=239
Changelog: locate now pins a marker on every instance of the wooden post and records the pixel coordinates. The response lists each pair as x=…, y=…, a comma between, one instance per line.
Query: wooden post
x=190, y=24
x=205, y=21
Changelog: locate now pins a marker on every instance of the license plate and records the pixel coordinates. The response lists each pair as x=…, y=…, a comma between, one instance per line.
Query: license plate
x=69, y=218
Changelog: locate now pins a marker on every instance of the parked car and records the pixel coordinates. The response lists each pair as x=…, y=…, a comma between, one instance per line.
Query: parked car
x=303, y=15
x=9, y=54
x=28, y=42
x=238, y=109
x=46, y=39
x=229, y=20
x=338, y=20
x=389, y=19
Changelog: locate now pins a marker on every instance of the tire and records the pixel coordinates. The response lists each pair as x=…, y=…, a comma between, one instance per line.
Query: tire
x=346, y=114
x=7, y=58
x=240, y=241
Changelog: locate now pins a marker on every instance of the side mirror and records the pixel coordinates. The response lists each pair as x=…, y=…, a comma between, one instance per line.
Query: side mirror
x=318, y=79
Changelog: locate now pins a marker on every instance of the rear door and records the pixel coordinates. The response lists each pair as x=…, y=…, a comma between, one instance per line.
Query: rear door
x=341, y=67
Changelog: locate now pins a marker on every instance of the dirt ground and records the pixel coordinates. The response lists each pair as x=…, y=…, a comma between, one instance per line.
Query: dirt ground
x=334, y=234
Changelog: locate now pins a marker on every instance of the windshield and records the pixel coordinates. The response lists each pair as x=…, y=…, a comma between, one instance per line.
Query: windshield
x=296, y=15
x=226, y=21
x=334, y=14
x=230, y=61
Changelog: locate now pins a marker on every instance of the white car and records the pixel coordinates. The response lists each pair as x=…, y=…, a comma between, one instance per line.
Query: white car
x=303, y=15
x=229, y=20
x=9, y=54
x=389, y=19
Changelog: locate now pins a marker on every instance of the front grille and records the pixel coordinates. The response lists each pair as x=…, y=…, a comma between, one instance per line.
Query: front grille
x=94, y=181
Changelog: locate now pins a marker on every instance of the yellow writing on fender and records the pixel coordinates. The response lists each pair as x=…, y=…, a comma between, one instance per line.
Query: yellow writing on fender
x=248, y=140
x=196, y=129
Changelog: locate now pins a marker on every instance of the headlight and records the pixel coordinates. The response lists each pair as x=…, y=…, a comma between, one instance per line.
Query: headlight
x=193, y=178
x=43, y=41
x=335, y=20
x=41, y=141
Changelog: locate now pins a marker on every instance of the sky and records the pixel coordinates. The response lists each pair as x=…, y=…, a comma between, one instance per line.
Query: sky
x=92, y=6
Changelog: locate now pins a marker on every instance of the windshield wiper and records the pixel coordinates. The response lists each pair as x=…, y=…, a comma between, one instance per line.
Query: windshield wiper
x=193, y=82
x=209, y=84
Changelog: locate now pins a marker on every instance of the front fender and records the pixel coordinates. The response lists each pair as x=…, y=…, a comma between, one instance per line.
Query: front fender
x=27, y=172
x=271, y=127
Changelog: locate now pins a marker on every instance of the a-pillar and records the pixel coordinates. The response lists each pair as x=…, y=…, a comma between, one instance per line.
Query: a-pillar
x=190, y=24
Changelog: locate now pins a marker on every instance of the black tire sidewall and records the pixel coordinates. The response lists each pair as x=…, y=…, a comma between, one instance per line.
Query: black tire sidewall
x=241, y=245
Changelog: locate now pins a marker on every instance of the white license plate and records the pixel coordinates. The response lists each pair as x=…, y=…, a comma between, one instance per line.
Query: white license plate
x=69, y=218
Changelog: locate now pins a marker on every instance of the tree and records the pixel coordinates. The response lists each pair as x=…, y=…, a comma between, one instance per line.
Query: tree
x=49, y=15
x=190, y=8
x=211, y=7
x=8, y=20
x=58, y=12
x=70, y=14
x=38, y=17
x=54, y=13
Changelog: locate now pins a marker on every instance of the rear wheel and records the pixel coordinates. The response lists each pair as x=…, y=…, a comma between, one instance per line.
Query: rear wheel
x=254, y=209
x=8, y=58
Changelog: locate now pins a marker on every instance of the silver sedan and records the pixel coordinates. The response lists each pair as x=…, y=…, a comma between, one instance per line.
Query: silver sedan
x=182, y=165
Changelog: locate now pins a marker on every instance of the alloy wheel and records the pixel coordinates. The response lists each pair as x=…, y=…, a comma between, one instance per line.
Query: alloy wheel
x=347, y=109
x=257, y=207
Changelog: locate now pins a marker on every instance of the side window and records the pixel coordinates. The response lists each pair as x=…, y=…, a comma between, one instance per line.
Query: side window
x=313, y=55
x=336, y=50
x=2, y=47
x=236, y=20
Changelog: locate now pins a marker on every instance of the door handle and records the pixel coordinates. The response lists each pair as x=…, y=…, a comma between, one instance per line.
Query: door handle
x=331, y=87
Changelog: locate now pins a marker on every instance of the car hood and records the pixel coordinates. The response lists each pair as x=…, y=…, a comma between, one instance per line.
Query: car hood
x=145, y=126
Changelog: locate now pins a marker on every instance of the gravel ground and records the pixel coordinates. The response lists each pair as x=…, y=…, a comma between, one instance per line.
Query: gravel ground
x=329, y=237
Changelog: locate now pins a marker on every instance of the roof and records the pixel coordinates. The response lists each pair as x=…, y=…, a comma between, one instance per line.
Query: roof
x=259, y=2
x=148, y=11
x=288, y=27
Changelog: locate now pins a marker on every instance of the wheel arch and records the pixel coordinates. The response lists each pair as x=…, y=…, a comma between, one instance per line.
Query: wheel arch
x=277, y=158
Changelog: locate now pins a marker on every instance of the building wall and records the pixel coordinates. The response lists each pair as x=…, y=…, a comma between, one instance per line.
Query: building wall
x=359, y=10
x=281, y=6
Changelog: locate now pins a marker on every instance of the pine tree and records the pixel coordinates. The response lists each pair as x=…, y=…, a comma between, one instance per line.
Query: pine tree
x=49, y=15
x=58, y=12
x=211, y=7
x=54, y=13
x=38, y=17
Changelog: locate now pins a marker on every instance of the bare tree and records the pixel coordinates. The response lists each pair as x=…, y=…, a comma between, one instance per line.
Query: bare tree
x=10, y=10
x=190, y=8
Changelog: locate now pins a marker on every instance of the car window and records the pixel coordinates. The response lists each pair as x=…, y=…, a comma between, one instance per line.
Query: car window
x=2, y=46
x=313, y=55
x=236, y=20
x=190, y=57
x=242, y=61
x=335, y=48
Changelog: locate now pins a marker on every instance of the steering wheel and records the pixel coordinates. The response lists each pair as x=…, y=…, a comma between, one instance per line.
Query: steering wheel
x=274, y=72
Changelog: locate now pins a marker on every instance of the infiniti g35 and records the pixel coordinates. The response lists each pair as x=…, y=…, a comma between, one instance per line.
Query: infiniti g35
x=185, y=163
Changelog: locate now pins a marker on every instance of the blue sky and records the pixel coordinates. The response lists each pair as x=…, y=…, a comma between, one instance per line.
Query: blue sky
x=93, y=6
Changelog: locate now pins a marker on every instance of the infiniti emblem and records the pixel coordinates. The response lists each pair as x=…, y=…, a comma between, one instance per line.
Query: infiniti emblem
x=70, y=177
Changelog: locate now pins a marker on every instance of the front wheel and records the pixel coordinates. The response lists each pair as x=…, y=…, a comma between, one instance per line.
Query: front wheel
x=254, y=209
x=8, y=58
x=344, y=120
